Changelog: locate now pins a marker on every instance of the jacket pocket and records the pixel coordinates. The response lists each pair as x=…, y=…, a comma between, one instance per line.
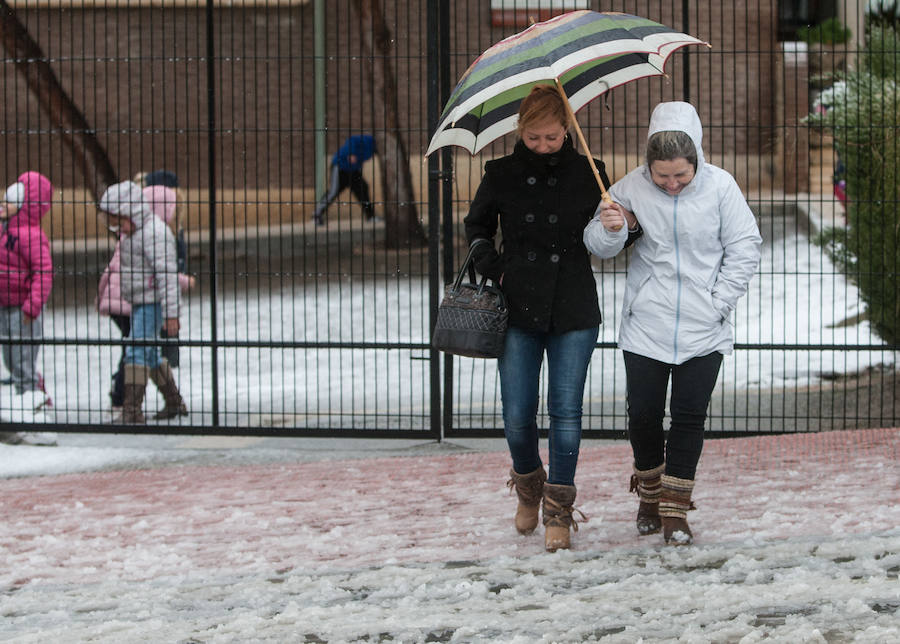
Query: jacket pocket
x=521, y=281
x=697, y=304
x=628, y=307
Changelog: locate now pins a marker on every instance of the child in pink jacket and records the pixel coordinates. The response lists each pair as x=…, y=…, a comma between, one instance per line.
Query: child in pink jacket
x=26, y=277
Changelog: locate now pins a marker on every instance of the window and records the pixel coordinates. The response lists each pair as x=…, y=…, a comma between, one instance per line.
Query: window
x=521, y=13
x=799, y=13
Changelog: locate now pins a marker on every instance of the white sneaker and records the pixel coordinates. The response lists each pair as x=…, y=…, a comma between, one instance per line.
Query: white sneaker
x=38, y=438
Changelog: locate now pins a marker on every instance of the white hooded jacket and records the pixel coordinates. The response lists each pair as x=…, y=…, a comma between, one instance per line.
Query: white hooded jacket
x=149, y=265
x=697, y=254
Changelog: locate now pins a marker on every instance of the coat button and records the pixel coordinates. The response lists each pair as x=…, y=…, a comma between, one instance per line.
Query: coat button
x=552, y=219
x=554, y=258
x=532, y=256
x=529, y=217
x=531, y=181
x=551, y=181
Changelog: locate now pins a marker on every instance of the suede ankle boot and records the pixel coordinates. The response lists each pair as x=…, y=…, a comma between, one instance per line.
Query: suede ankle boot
x=530, y=489
x=559, y=503
x=135, y=385
x=164, y=380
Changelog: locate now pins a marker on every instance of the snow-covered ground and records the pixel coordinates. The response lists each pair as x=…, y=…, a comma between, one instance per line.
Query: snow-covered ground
x=126, y=539
x=797, y=540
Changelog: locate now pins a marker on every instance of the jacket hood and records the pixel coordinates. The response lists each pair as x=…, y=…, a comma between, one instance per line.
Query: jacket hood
x=38, y=196
x=679, y=116
x=126, y=199
x=161, y=201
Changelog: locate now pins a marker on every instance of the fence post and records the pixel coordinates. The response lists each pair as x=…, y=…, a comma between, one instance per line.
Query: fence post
x=434, y=215
x=686, y=57
x=213, y=260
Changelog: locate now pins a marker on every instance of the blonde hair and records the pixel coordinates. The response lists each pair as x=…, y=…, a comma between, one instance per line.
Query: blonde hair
x=180, y=208
x=544, y=103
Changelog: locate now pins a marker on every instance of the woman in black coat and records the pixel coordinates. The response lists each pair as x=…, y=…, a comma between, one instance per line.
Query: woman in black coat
x=542, y=196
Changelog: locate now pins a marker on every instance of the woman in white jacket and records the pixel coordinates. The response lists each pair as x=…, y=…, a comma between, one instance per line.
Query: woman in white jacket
x=697, y=250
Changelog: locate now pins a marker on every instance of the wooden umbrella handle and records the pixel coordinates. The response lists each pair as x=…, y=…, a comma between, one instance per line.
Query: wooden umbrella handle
x=605, y=196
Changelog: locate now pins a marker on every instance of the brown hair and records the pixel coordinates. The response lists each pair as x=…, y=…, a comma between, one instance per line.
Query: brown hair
x=543, y=103
x=671, y=144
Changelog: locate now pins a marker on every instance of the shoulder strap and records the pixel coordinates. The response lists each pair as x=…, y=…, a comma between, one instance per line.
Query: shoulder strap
x=469, y=264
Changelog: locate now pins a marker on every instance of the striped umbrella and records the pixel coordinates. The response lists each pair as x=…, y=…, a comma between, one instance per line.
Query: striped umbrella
x=584, y=53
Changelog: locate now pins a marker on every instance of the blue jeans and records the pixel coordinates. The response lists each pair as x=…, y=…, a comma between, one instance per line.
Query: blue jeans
x=146, y=321
x=568, y=356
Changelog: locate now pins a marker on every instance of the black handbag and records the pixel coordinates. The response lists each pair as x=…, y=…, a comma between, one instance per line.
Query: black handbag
x=472, y=317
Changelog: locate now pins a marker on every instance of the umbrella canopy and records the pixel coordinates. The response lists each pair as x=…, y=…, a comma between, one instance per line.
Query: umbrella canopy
x=585, y=53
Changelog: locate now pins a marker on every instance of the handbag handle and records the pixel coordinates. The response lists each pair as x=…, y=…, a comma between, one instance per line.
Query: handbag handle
x=469, y=265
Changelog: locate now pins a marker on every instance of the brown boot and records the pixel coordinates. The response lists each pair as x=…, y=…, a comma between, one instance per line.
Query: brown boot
x=164, y=380
x=135, y=386
x=558, y=509
x=646, y=484
x=674, y=503
x=529, y=488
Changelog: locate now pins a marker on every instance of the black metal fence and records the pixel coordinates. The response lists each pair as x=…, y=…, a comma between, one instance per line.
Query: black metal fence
x=299, y=328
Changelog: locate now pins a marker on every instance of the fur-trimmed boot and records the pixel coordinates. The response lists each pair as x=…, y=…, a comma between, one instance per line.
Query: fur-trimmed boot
x=135, y=385
x=164, y=380
x=530, y=489
x=646, y=484
x=674, y=503
x=559, y=503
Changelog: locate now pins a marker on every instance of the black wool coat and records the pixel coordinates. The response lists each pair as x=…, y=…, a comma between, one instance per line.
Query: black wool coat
x=542, y=203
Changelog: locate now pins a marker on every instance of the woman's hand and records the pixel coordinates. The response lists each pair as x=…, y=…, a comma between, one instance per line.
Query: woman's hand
x=172, y=327
x=613, y=216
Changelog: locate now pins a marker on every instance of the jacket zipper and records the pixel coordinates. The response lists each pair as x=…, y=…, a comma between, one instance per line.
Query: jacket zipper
x=677, y=281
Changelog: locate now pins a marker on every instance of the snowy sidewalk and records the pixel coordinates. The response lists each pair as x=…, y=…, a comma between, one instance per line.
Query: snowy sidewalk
x=797, y=537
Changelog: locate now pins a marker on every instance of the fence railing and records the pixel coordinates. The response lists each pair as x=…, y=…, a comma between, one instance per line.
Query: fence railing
x=300, y=328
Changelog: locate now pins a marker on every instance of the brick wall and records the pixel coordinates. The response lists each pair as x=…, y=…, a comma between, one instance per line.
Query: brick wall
x=140, y=77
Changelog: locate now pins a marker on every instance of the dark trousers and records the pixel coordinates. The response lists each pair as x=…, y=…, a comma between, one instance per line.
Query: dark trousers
x=117, y=395
x=692, y=386
x=340, y=180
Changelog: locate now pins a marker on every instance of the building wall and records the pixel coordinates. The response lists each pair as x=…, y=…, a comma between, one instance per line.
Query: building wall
x=140, y=77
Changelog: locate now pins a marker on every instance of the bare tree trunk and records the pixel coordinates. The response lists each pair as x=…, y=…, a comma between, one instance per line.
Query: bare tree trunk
x=31, y=62
x=402, y=225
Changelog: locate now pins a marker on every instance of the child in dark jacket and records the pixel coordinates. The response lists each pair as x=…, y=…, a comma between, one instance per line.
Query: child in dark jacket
x=346, y=170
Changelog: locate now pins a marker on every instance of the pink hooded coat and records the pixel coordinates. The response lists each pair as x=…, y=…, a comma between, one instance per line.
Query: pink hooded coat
x=26, y=268
x=109, y=300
